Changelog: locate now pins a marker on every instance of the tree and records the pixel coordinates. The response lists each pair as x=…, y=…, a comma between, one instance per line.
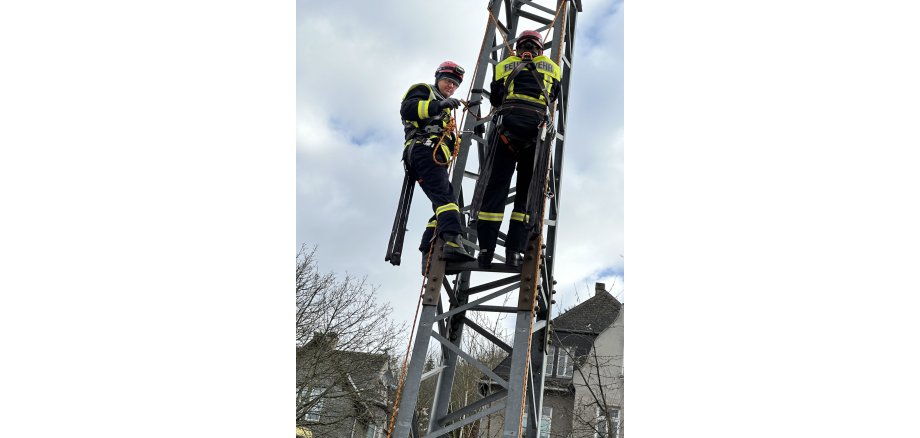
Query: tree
x=343, y=336
x=598, y=382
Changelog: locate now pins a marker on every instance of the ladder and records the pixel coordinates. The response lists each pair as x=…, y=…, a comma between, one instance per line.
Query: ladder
x=533, y=281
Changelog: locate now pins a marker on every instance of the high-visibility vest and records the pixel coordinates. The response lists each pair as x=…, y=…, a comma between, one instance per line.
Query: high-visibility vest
x=547, y=70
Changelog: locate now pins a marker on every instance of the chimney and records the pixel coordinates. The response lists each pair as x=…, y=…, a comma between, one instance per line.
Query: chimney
x=324, y=340
x=599, y=288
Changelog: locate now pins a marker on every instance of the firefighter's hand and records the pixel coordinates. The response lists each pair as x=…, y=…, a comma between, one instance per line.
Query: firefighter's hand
x=450, y=102
x=497, y=92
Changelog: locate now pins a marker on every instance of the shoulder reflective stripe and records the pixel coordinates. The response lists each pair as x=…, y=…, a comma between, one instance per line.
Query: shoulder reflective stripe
x=495, y=217
x=446, y=207
x=520, y=217
x=548, y=67
x=416, y=85
x=432, y=224
x=505, y=67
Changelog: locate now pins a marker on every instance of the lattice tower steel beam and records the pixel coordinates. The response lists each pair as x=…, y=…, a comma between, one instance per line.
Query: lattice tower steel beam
x=533, y=282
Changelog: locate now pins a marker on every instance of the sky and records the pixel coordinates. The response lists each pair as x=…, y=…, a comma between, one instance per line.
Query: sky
x=353, y=67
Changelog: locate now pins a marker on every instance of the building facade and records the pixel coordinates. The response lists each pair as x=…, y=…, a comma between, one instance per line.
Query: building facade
x=583, y=389
x=341, y=394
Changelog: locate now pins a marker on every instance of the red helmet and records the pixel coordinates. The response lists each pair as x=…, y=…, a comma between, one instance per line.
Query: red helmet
x=530, y=35
x=450, y=70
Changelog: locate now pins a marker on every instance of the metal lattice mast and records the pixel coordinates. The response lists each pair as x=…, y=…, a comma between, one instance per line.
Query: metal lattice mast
x=533, y=281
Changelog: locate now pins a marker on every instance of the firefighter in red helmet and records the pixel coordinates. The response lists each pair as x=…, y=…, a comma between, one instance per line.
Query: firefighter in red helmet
x=425, y=111
x=525, y=85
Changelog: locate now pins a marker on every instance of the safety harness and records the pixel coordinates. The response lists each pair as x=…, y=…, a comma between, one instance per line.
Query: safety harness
x=503, y=134
x=432, y=133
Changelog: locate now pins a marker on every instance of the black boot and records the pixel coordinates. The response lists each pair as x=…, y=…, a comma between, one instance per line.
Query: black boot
x=513, y=258
x=455, y=251
x=485, y=258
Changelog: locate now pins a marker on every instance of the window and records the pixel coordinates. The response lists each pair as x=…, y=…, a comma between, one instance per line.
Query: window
x=310, y=396
x=546, y=421
x=375, y=431
x=601, y=427
x=566, y=366
x=548, y=361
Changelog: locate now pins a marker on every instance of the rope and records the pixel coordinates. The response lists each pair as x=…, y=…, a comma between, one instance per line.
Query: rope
x=418, y=305
x=539, y=241
x=402, y=374
x=451, y=128
x=553, y=24
x=504, y=40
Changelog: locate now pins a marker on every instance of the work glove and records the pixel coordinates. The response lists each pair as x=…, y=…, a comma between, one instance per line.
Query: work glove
x=450, y=102
x=497, y=92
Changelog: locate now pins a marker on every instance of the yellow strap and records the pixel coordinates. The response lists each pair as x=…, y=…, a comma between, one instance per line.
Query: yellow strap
x=446, y=152
x=520, y=217
x=495, y=217
x=447, y=207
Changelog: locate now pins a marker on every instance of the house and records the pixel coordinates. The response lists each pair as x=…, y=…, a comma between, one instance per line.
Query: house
x=341, y=394
x=583, y=389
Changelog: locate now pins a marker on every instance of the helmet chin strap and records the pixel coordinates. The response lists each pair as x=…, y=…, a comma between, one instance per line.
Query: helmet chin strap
x=528, y=55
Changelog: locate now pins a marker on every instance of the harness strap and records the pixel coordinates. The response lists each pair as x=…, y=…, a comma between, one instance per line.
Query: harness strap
x=517, y=70
x=540, y=82
x=533, y=71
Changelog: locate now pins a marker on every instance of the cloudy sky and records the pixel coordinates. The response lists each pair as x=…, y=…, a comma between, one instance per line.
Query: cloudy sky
x=353, y=67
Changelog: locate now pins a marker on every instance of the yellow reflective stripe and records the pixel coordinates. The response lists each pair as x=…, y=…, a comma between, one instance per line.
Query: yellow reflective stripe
x=449, y=243
x=504, y=68
x=430, y=91
x=432, y=224
x=447, y=207
x=520, y=217
x=541, y=100
x=423, y=109
x=446, y=152
x=486, y=216
x=545, y=66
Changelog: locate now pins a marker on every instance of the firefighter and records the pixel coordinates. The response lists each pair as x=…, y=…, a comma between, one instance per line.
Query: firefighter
x=426, y=110
x=525, y=84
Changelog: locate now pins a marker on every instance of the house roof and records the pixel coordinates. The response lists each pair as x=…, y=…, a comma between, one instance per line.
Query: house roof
x=593, y=315
x=576, y=329
x=364, y=368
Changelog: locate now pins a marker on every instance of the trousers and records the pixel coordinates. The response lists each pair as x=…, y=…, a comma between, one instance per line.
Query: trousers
x=434, y=181
x=520, y=152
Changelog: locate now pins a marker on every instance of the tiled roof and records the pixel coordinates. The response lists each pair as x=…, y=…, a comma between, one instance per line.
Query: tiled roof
x=592, y=315
x=364, y=368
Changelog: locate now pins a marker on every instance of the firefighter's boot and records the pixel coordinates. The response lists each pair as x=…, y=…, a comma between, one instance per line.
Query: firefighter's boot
x=513, y=258
x=455, y=251
x=485, y=258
